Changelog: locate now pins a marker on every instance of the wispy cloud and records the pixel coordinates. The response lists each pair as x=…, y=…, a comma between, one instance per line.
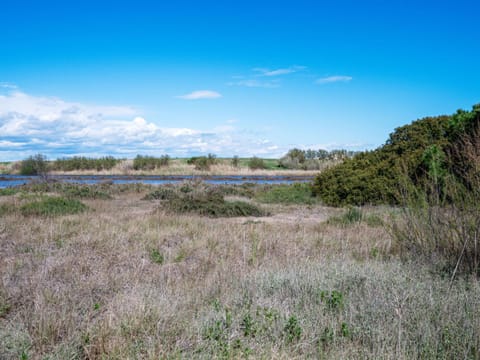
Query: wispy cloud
x=201, y=94
x=278, y=72
x=9, y=86
x=254, y=80
x=333, y=79
x=54, y=127
x=255, y=83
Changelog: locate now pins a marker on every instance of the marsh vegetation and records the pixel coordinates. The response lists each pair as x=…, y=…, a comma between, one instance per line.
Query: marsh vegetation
x=129, y=275
x=389, y=269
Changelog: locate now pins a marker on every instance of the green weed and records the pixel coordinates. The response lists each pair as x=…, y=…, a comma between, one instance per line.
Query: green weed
x=161, y=193
x=292, y=329
x=355, y=215
x=334, y=299
x=8, y=191
x=157, y=257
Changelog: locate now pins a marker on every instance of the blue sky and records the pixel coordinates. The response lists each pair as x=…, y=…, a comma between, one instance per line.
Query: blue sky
x=228, y=77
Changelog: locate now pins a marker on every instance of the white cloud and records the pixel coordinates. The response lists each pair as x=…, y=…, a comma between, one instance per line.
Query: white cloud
x=333, y=79
x=7, y=144
x=264, y=73
x=277, y=72
x=57, y=128
x=201, y=94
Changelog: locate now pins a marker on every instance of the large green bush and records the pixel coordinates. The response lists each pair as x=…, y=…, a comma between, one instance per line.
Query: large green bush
x=256, y=163
x=432, y=169
x=203, y=163
x=377, y=176
x=34, y=165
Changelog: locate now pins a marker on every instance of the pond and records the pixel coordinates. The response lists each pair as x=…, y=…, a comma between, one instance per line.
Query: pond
x=17, y=180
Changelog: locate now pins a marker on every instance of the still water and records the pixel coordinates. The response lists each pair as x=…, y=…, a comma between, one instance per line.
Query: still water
x=17, y=180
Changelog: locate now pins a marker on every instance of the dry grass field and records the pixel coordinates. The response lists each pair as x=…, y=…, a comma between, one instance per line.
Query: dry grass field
x=127, y=278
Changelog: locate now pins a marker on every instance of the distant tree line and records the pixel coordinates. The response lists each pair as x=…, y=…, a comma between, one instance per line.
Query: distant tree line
x=294, y=159
x=84, y=163
x=150, y=162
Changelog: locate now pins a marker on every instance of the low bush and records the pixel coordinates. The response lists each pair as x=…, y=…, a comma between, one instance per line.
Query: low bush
x=52, y=206
x=297, y=193
x=211, y=206
x=247, y=190
x=83, y=192
x=162, y=193
x=202, y=199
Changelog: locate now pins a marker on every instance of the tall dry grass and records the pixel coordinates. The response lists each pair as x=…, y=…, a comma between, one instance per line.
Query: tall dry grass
x=180, y=167
x=129, y=280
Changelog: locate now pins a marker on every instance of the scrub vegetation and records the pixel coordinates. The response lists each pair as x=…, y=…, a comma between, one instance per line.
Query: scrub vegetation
x=431, y=170
x=378, y=258
x=131, y=275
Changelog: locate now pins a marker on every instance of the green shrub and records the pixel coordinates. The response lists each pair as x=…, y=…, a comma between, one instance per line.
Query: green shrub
x=157, y=257
x=212, y=207
x=52, y=206
x=150, y=162
x=441, y=219
x=297, y=193
x=256, y=163
x=34, y=165
x=208, y=202
x=246, y=189
x=161, y=193
x=292, y=330
x=84, y=163
x=82, y=191
x=203, y=163
x=373, y=177
x=235, y=162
